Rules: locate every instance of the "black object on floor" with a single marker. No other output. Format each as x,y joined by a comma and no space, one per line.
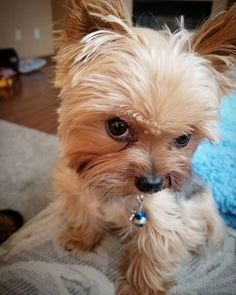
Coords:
10,222
9,59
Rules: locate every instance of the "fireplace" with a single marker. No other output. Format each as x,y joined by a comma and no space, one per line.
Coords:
154,13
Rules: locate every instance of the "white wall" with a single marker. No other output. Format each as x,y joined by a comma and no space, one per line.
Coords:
26,18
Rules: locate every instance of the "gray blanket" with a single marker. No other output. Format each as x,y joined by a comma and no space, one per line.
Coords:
32,262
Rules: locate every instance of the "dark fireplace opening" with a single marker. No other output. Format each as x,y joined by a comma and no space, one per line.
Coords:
154,13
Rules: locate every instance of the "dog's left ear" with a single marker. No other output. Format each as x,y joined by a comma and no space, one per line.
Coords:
216,40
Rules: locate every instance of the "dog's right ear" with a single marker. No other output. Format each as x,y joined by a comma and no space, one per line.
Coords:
87,16
84,17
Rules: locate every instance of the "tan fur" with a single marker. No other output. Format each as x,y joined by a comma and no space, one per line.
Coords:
216,40
163,85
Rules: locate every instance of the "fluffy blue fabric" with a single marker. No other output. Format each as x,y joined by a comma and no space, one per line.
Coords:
217,165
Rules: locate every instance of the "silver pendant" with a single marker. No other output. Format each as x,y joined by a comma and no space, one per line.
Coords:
139,217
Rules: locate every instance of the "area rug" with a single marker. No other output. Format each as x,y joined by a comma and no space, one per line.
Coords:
26,158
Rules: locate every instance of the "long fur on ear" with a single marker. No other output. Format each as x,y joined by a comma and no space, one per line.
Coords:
216,40
84,17
87,16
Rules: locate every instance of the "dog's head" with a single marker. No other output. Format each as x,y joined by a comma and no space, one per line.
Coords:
136,103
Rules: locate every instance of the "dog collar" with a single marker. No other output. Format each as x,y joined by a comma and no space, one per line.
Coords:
139,217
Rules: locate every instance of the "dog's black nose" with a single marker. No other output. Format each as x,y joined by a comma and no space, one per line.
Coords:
149,184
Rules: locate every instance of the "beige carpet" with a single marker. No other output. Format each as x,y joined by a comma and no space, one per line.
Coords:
26,160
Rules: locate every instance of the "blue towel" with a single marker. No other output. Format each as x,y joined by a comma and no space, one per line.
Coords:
217,165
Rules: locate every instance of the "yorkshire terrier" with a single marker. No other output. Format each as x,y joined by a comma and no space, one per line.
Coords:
135,105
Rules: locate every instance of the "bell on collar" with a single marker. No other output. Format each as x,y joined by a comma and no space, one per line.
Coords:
140,218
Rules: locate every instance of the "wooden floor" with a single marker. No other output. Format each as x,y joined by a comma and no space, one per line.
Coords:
32,102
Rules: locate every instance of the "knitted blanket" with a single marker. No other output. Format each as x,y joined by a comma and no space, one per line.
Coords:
32,262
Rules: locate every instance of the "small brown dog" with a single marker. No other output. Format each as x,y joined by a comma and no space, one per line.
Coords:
135,105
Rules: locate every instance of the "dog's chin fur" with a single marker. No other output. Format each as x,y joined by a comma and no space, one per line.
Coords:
163,85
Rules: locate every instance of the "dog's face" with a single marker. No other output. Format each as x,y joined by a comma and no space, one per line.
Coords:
135,103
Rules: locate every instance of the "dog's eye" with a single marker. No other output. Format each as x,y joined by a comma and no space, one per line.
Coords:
182,140
117,128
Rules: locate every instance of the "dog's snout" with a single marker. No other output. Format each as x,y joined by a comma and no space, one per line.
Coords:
149,184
